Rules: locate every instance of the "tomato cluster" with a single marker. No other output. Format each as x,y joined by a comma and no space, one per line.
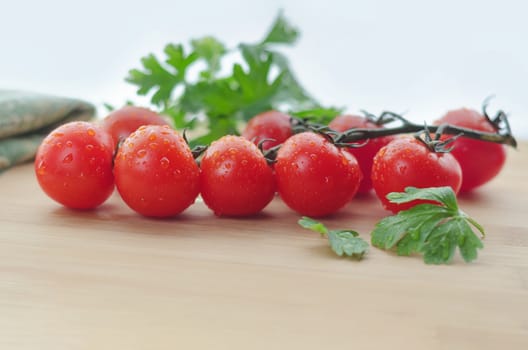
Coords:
156,174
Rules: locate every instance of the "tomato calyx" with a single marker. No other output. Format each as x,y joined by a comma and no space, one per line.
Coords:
499,121
436,144
385,117
197,150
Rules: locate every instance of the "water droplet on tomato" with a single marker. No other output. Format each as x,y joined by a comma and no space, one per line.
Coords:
89,148
90,132
164,162
153,145
152,137
69,144
58,144
244,162
228,165
313,156
68,158
41,168
141,153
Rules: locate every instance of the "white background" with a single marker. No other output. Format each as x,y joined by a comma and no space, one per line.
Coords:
423,57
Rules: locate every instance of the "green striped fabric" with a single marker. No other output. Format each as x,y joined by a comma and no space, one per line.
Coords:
27,117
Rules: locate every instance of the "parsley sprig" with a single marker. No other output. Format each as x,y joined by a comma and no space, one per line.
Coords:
261,81
434,230
342,242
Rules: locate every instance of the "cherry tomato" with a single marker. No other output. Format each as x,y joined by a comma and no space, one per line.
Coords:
124,121
480,161
268,125
314,177
155,172
408,162
235,179
74,165
364,154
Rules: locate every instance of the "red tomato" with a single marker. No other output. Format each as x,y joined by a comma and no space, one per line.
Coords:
408,162
124,121
314,177
268,125
235,179
364,154
155,172
74,165
480,161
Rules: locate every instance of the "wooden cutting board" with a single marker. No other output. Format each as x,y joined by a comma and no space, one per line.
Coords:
110,279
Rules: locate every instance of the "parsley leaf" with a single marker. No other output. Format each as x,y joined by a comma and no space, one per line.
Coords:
432,230
218,104
281,32
212,51
154,77
318,115
342,242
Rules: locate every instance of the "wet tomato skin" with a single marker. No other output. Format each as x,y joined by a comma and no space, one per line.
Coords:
314,177
408,162
73,165
364,154
235,178
480,161
155,172
124,121
268,125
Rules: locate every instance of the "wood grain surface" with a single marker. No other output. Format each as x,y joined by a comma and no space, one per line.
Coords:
110,279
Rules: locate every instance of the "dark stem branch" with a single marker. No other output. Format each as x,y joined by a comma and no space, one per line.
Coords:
355,135
351,137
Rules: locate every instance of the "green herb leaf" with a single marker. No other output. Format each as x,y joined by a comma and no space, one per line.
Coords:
434,230
342,242
216,105
313,225
212,51
281,32
319,115
154,77
442,195
178,60
348,243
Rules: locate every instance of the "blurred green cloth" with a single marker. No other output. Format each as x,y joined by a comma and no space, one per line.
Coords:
27,117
